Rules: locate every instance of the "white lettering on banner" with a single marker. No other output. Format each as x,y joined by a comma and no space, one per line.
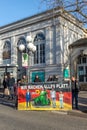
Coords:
48,86
62,86
23,87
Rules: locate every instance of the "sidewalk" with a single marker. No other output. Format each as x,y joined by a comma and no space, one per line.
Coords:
5,100
82,112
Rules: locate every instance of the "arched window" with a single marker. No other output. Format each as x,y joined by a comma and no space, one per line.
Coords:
39,55
7,50
39,37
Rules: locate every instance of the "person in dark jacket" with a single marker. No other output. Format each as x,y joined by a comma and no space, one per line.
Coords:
37,79
75,90
49,79
5,83
11,82
17,84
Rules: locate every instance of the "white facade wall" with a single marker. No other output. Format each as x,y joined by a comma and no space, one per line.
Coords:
69,33
58,37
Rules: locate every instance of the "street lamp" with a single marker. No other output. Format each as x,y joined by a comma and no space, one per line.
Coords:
7,65
28,47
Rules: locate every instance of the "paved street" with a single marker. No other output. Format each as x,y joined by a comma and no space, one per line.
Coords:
82,112
83,100
11,119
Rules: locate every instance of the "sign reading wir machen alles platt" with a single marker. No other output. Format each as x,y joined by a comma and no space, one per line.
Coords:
45,97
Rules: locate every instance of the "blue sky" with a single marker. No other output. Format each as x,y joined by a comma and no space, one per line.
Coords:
13,10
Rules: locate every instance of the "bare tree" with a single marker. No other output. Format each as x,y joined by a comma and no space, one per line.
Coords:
78,8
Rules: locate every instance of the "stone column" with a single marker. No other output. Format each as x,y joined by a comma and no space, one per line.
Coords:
59,51
14,56
49,46
13,51
58,45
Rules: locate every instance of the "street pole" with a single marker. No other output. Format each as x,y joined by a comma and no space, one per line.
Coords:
29,48
6,70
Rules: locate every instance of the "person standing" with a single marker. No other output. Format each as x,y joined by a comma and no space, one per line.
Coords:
55,78
37,79
61,96
53,97
49,78
11,82
5,83
17,84
24,80
75,90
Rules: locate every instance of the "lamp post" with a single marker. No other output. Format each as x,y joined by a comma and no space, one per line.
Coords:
6,67
28,48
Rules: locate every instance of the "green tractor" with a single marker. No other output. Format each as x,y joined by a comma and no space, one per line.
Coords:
42,100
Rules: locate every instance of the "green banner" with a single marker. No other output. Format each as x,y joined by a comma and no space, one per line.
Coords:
25,59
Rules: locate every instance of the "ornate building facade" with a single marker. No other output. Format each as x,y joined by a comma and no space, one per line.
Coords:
52,33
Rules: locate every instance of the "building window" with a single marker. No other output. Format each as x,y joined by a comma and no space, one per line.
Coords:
82,68
81,73
79,60
7,50
39,55
86,73
41,75
84,60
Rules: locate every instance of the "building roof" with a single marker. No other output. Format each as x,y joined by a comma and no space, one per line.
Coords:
46,15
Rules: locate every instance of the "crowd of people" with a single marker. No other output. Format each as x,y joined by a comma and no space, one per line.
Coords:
52,78
8,84
10,87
